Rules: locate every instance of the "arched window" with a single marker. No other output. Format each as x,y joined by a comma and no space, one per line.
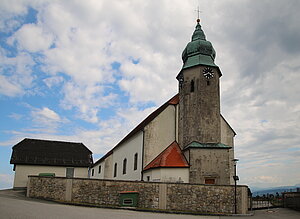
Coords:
115,170
124,165
92,172
135,161
99,170
192,86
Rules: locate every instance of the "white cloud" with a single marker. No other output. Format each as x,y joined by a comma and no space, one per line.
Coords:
8,10
8,88
13,6
86,39
53,81
100,140
265,179
149,80
88,100
32,38
16,116
103,39
46,120
112,131
16,74
47,114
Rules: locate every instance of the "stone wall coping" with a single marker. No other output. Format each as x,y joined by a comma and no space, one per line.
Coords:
129,181
128,192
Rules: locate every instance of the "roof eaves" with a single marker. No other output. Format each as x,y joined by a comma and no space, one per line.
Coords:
158,167
49,164
228,124
203,64
196,144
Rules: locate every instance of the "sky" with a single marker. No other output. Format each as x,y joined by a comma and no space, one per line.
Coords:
90,71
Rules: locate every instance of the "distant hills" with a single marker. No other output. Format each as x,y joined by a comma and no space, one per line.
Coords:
261,191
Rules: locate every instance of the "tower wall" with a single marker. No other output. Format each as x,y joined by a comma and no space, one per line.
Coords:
199,108
200,121
210,164
227,138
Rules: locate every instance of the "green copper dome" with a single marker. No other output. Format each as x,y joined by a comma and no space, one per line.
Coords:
199,51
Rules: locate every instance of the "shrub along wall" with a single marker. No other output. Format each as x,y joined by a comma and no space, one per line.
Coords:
152,195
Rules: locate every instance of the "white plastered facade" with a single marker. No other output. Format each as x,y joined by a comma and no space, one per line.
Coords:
128,150
23,171
177,175
148,143
159,134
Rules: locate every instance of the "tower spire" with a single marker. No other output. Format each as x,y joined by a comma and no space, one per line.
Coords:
199,51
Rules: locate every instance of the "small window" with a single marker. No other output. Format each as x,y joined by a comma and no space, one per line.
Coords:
92,172
115,170
148,178
99,170
192,86
135,161
210,181
124,165
208,82
70,172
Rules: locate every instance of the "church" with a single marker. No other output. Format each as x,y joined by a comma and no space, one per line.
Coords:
186,140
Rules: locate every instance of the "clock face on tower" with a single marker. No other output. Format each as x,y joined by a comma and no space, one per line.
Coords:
208,73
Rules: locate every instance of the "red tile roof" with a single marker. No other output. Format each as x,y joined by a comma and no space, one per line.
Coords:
174,100
172,156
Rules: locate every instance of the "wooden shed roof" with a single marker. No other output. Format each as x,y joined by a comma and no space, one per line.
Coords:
52,153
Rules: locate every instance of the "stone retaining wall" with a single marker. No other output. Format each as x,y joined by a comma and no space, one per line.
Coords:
152,195
291,200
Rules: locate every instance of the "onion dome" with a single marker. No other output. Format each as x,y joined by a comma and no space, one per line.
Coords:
199,51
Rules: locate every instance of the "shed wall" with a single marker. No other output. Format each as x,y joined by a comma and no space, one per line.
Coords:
23,171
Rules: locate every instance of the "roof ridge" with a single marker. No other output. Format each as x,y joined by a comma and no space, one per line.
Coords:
50,141
36,139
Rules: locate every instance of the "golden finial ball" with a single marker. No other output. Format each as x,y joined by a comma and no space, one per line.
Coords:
198,20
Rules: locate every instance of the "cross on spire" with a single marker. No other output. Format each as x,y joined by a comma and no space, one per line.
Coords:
198,12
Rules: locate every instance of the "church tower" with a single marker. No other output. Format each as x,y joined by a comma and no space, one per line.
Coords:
199,125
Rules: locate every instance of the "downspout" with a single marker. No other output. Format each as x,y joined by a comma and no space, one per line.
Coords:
143,145
176,123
